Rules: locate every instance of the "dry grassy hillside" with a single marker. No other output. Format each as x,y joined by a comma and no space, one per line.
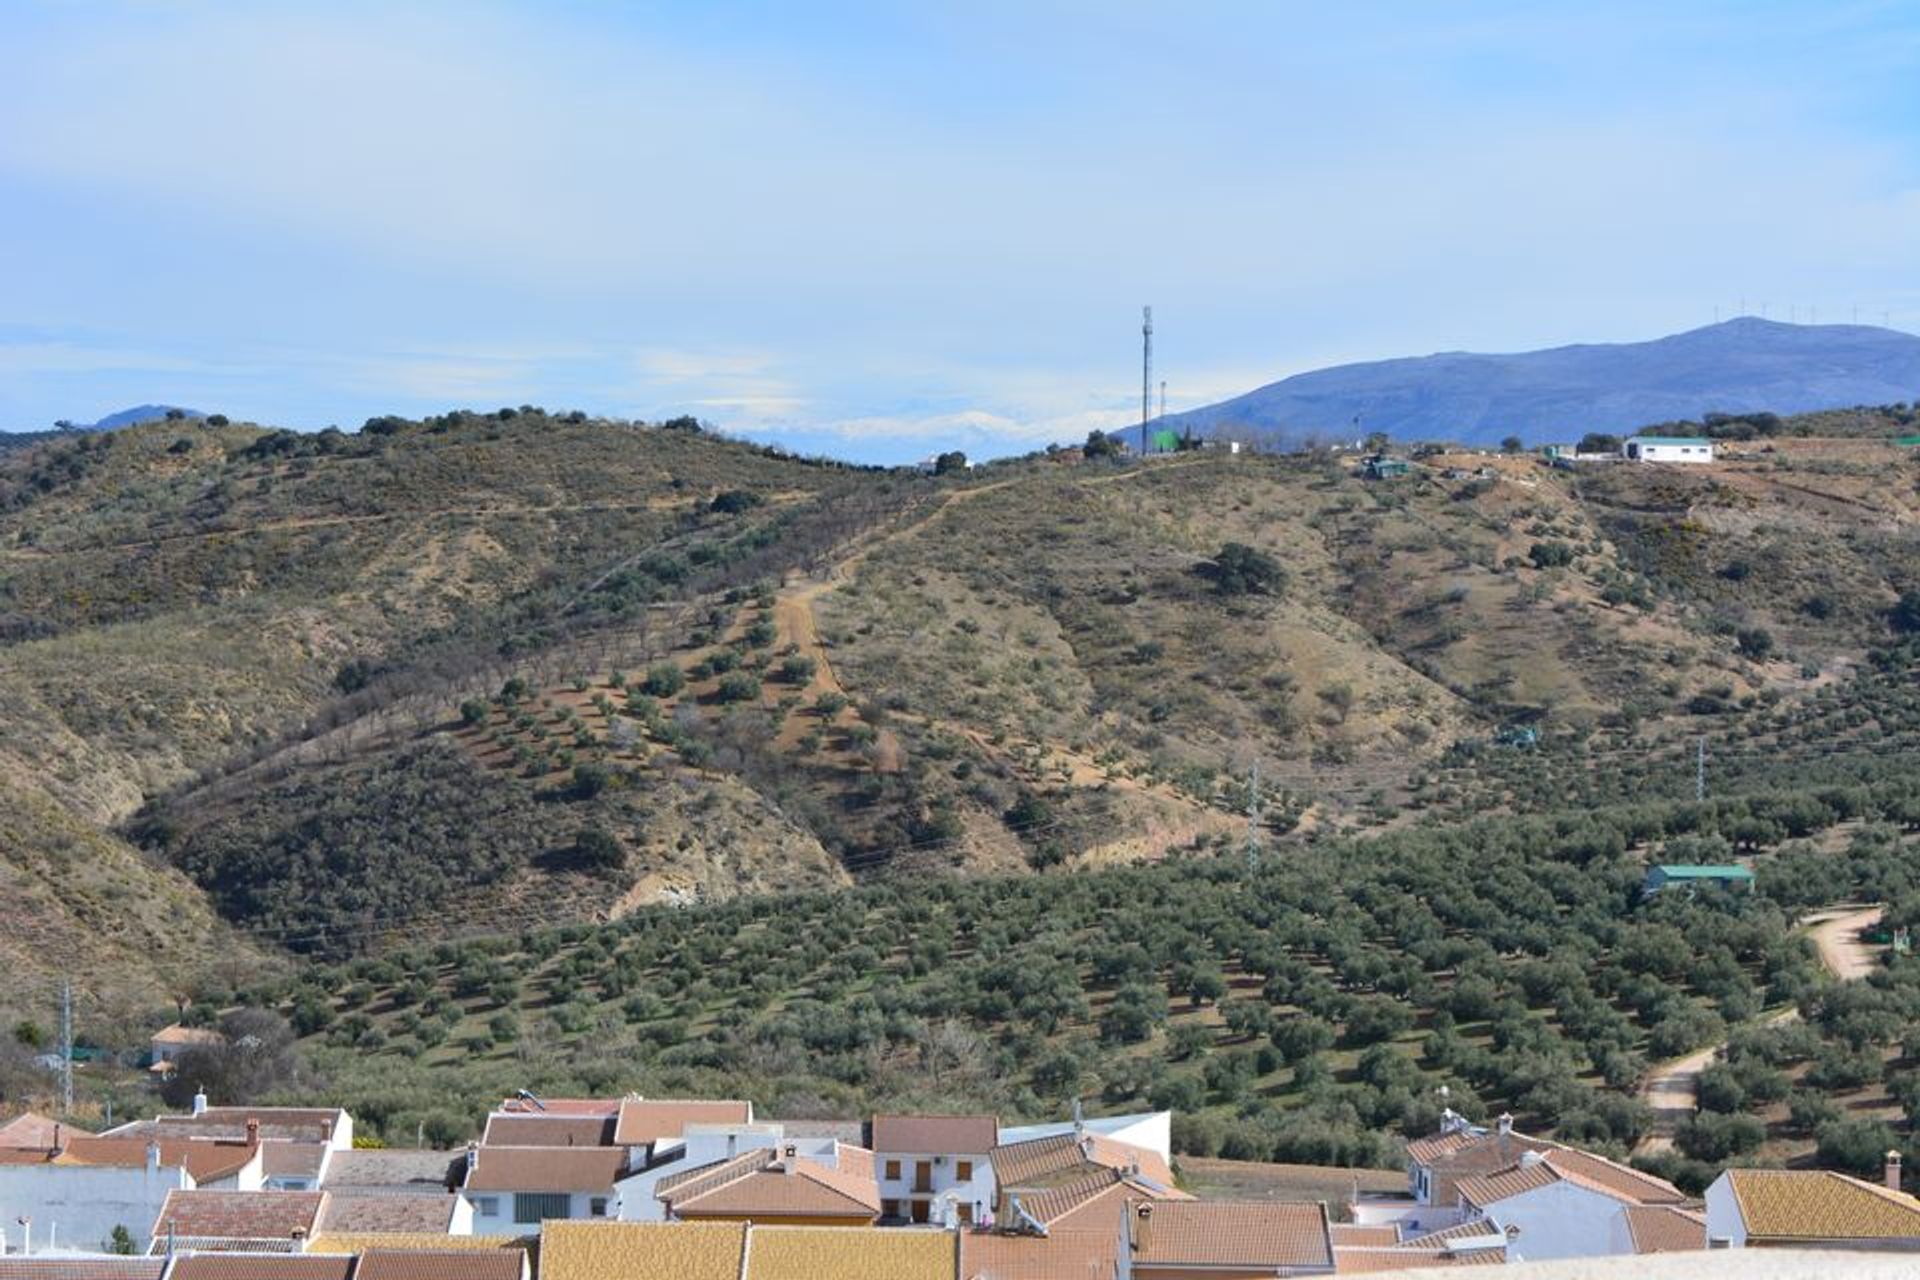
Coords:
480,671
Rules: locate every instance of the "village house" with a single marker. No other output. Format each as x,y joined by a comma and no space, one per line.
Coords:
167,1044
1667,449
779,1186
515,1189
1177,1240
1811,1209
236,1221
934,1168
1074,1180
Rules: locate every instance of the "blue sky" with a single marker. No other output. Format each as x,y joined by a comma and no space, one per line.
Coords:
877,230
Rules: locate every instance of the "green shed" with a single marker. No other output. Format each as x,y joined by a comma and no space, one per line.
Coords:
1684,875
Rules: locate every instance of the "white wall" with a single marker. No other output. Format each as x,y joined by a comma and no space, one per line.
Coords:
700,1146
1559,1220
1723,1215
501,1222
976,1190
82,1204
1151,1129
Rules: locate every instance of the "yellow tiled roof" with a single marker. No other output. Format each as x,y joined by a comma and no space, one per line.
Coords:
850,1253
1805,1204
605,1250
361,1241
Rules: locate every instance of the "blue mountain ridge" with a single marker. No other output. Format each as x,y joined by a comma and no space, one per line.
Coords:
1747,365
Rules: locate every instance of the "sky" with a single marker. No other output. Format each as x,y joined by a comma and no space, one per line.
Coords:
881,230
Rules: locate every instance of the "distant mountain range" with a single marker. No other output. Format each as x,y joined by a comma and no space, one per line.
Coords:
139,413
1741,366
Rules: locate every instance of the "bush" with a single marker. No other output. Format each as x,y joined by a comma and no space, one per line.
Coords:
1239,569
597,850
797,670
663,680
474,711
738,686
1550,555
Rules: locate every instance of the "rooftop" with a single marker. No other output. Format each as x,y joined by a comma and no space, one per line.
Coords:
348,1212
1797,1204
642,1121
504,1130
587,1169
1073,1254
424,1172
849,1253
936,1135
1665,1228
788,1186
441,1264
1691,871
1197,1233
587,1250
272,1266
236,1215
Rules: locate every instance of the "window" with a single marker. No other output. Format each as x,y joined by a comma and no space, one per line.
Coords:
487,1206
963,1169
893,1168
538,1206
889,1208
597,1207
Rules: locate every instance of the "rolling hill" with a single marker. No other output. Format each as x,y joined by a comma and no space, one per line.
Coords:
269,694
1746,365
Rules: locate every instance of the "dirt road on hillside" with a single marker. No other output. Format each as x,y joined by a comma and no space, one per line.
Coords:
1673,1090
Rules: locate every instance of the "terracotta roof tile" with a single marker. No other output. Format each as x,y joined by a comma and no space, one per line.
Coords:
1794,1204
443,1264
261,1266
424,1172
1354,1235
1039,1161
1086,1254
548,1131
1642,1188
1044,1208
177,1034
280,1159
206,1161
1476,1229
849,1253
432,1242
1364,1259
584,1169
580,1250
936,1135
564,1106
649,1120
1494,1187
810,1189
43,1268
30,1129
1661,1228
706,1177
1198,1233
235,1216
347,1213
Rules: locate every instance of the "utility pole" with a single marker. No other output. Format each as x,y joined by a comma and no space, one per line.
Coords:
1146,374
66,1048
1253,817
1700,770
1163,397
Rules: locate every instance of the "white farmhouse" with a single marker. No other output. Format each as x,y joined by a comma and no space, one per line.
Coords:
934,1166
1667,449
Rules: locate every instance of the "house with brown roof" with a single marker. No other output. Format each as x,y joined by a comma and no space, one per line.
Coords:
934,1168
441,1264
512,1190
167,1044
236,1221
372,1213
1074,1180
778,1187
326,1126
1810,1209
1178,1240
81,1189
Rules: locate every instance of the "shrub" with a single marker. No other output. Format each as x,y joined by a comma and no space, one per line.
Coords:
597,850
1550,555
1239,569
663,680
738,686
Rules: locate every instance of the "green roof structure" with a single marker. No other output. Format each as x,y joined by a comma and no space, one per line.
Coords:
1166,440
1684,871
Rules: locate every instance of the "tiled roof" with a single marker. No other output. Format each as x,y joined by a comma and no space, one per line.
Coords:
433,1242
1364,1259
548,1131
206,1161
1354,1235
849,1253
236,1215
1662,1228
441,1264
642,1120
328,1117
357,1214
177,1034
222,1129
30,1129
1085,1254
261,1266
427,1172
1039,1160
43,1268
1795,1204
790,1187
706,1177
935,1135
564,1106
1495,1187
280,1159
605,1250
1641,1188
587,1169
1047,1207
1473,1229
1198,1233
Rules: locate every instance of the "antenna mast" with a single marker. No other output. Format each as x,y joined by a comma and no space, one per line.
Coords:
1146,374
66,1049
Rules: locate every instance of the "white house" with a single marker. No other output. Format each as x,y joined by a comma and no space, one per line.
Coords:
1546,1212
78,1205
700,1146
514,1189
1810,1209
1667,449
934,1167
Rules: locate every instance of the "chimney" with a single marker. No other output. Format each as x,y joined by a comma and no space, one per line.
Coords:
1506,1125
153,1157
1142,1227
199,1102
1893,1170
789,1158
473,1158
253,1133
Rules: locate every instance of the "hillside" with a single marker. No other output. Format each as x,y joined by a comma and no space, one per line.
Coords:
1739,366
489,672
